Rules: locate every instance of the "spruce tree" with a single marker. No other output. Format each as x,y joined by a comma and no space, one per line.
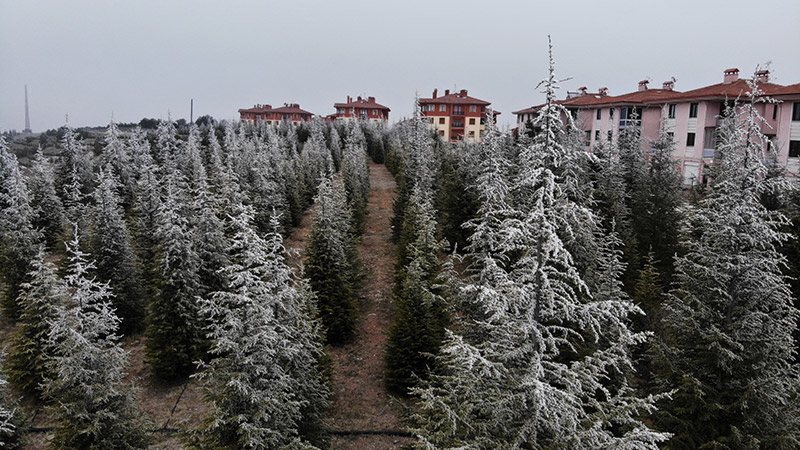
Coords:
174,329
729,318
331,266
12,430
355,177
116,155
115,260
19,240
38,300
540,356
93,406
418,327
263,376
316,159
48,212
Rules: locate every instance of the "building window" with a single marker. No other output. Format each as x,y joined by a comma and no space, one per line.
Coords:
610,135
296,116
483,109
458,110
671,135
588,140
458,124
374,112
796,112
774,111
441,120
442,108
610,113
599,113
794,148
441,132
473,108
472,134
672,108
472,121
690,139
596,135
692,110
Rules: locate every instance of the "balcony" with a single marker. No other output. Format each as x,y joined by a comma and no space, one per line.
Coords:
625,123
457,124
458,112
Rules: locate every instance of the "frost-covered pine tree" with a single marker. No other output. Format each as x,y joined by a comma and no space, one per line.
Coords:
19,240
93,406
167,145
656,206
208,234
355,176
316,159
418,327
27,359
263,381
730,316
540,357
76,168
48,212
12,431
116,154
174,332
115,259
144,220
331,265
335,144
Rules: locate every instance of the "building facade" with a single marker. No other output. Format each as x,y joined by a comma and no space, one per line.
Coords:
692,117
289,112
456,116
361,109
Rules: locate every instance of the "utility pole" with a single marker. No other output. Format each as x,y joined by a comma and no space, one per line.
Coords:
27,113
191,112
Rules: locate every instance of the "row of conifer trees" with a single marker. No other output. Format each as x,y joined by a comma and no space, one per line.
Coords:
181,238
598,304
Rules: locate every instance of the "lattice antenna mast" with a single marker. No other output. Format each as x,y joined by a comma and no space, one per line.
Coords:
27,113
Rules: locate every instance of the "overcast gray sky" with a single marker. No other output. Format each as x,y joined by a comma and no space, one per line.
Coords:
146,58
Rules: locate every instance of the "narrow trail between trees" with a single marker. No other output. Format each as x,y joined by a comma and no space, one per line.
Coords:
360,399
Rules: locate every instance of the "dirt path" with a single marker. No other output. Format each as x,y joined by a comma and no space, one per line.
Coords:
360,400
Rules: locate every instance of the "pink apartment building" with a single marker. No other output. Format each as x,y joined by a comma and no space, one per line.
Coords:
692,117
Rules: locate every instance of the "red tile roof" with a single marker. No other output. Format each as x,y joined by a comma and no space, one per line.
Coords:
285,109
455,98
361,103
786,90
732,90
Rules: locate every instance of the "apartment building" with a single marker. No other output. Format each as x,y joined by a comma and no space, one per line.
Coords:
289,112
691,116
456,116
361,109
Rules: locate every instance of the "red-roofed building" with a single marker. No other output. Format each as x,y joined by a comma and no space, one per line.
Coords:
456,116
289,112
361,109
692,117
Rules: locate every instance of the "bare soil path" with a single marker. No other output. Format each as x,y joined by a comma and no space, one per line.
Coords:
360,399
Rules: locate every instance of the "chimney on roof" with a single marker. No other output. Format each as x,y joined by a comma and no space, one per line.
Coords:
668,85
435,91
349,99
762,76
731,75
603,91
267,106
463,92
643,85
583,90
359,98
447,92
371,99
